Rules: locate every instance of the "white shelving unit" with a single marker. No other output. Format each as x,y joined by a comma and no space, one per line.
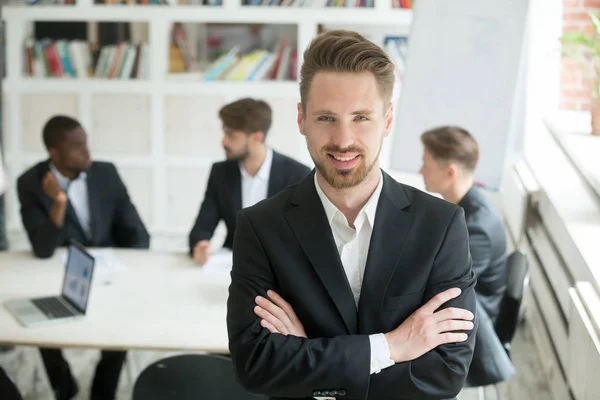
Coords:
162,134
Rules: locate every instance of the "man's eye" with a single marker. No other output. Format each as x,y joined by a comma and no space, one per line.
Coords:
325,118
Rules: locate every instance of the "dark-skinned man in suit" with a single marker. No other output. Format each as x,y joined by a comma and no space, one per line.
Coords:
66,197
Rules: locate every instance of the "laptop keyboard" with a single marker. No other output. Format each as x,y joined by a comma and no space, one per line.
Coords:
52,307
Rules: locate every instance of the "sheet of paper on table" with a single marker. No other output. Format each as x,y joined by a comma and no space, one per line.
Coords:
106,260
219,263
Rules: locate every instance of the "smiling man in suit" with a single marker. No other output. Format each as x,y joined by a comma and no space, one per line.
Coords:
70,197
350,285
251,173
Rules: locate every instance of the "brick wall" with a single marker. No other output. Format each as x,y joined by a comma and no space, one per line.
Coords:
574,85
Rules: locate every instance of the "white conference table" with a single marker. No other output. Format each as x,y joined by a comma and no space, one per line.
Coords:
151,301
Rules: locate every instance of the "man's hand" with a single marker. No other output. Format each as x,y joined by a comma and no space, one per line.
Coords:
278,316
426,329
201,251
53,189
59,199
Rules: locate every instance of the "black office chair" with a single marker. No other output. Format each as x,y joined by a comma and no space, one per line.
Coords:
490,365
191,376
8,389
512,302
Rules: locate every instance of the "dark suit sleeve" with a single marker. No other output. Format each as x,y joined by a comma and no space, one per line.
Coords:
481,248
209,214
43,235
277,365
440,373
128,229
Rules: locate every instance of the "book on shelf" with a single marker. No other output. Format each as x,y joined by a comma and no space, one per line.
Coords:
239,52
46,2
162,2
75,59
408,4
280,64
123,61
311,3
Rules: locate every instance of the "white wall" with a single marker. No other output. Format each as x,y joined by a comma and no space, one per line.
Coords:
543,84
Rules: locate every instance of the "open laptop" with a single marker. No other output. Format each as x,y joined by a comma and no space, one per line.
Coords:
73,301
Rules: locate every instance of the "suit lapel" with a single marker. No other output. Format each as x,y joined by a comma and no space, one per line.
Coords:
308,221
46,201
392,224
276,176
93,190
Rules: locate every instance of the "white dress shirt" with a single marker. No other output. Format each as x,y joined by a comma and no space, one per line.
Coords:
77,193
256,188
353,248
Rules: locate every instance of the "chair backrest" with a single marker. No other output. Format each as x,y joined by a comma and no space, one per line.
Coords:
510,306
8,389
191,376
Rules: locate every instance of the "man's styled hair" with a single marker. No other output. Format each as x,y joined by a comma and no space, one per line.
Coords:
452,144
248,115
346,51
56,128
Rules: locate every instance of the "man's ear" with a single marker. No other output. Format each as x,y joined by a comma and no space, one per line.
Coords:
300,118
389,119
452,170
258,136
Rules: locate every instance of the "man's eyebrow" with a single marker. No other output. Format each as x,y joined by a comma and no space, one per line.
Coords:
319,112
364,111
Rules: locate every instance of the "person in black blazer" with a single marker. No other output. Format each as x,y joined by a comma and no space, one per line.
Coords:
252,172
70,197
350,285
450,158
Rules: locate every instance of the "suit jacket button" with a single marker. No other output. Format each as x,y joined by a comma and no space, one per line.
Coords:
341,392
325,393
316,393
333,393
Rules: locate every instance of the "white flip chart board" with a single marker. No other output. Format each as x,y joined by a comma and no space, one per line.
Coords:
464,62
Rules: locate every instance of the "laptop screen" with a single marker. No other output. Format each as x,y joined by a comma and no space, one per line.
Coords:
78,277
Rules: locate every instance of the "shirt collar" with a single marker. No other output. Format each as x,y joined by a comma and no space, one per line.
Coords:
62,180
368,210
264,170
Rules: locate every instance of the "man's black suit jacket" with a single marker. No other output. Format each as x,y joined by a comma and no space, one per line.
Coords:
419,248
487,240
223,196
114,219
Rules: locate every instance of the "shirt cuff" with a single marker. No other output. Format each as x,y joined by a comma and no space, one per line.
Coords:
380,353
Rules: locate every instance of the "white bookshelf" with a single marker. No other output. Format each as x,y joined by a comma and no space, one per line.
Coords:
162,134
